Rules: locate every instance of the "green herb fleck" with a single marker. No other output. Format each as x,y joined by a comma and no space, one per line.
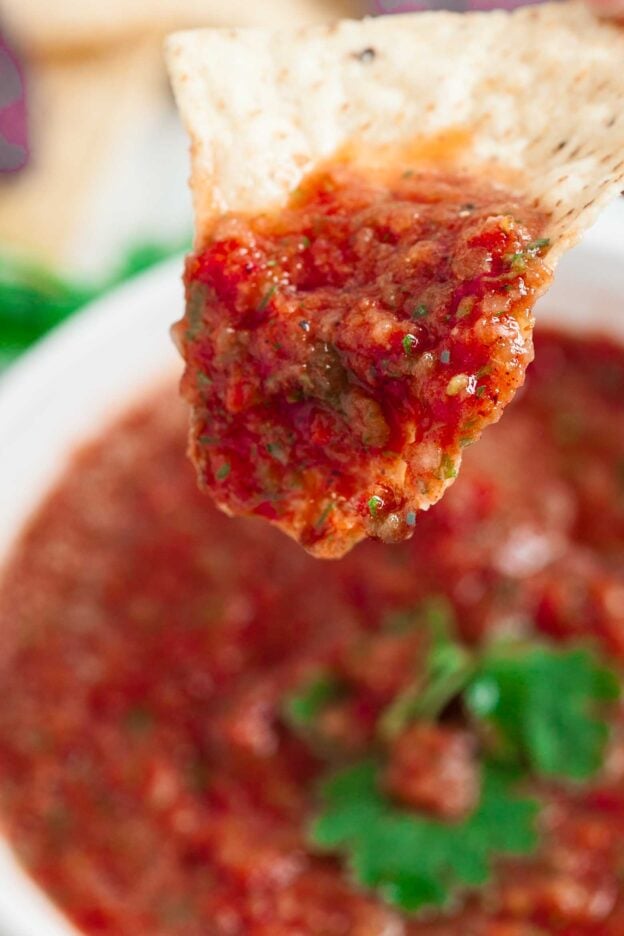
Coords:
267,297
516,261
410,858
374,505
465,306
302,707
410,518
447,467
306,242
445,357
409,342
223,471
420,311
327,509
480,390
538,245
277,452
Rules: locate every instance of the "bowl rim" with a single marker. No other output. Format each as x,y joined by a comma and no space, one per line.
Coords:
90,351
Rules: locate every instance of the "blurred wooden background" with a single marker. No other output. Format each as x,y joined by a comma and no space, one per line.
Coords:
107,163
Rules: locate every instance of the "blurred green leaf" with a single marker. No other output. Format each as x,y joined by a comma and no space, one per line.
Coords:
34,300
547,702
412,859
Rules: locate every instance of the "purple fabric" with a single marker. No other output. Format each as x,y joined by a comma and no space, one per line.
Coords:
410,6
13,119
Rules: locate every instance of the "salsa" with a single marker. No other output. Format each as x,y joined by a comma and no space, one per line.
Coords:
340,354
174,684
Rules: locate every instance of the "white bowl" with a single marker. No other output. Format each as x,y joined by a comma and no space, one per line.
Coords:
90,369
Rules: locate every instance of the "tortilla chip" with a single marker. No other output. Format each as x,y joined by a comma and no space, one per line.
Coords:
536,95
533,100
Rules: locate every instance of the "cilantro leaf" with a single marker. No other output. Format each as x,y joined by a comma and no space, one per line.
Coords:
448,668
33,300
413,860
541,705
352,801
544,702
409,342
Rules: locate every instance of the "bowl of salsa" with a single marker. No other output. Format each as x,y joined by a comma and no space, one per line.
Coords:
173,762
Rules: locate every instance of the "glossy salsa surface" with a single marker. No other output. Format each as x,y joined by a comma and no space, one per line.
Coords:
341,353
148,778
